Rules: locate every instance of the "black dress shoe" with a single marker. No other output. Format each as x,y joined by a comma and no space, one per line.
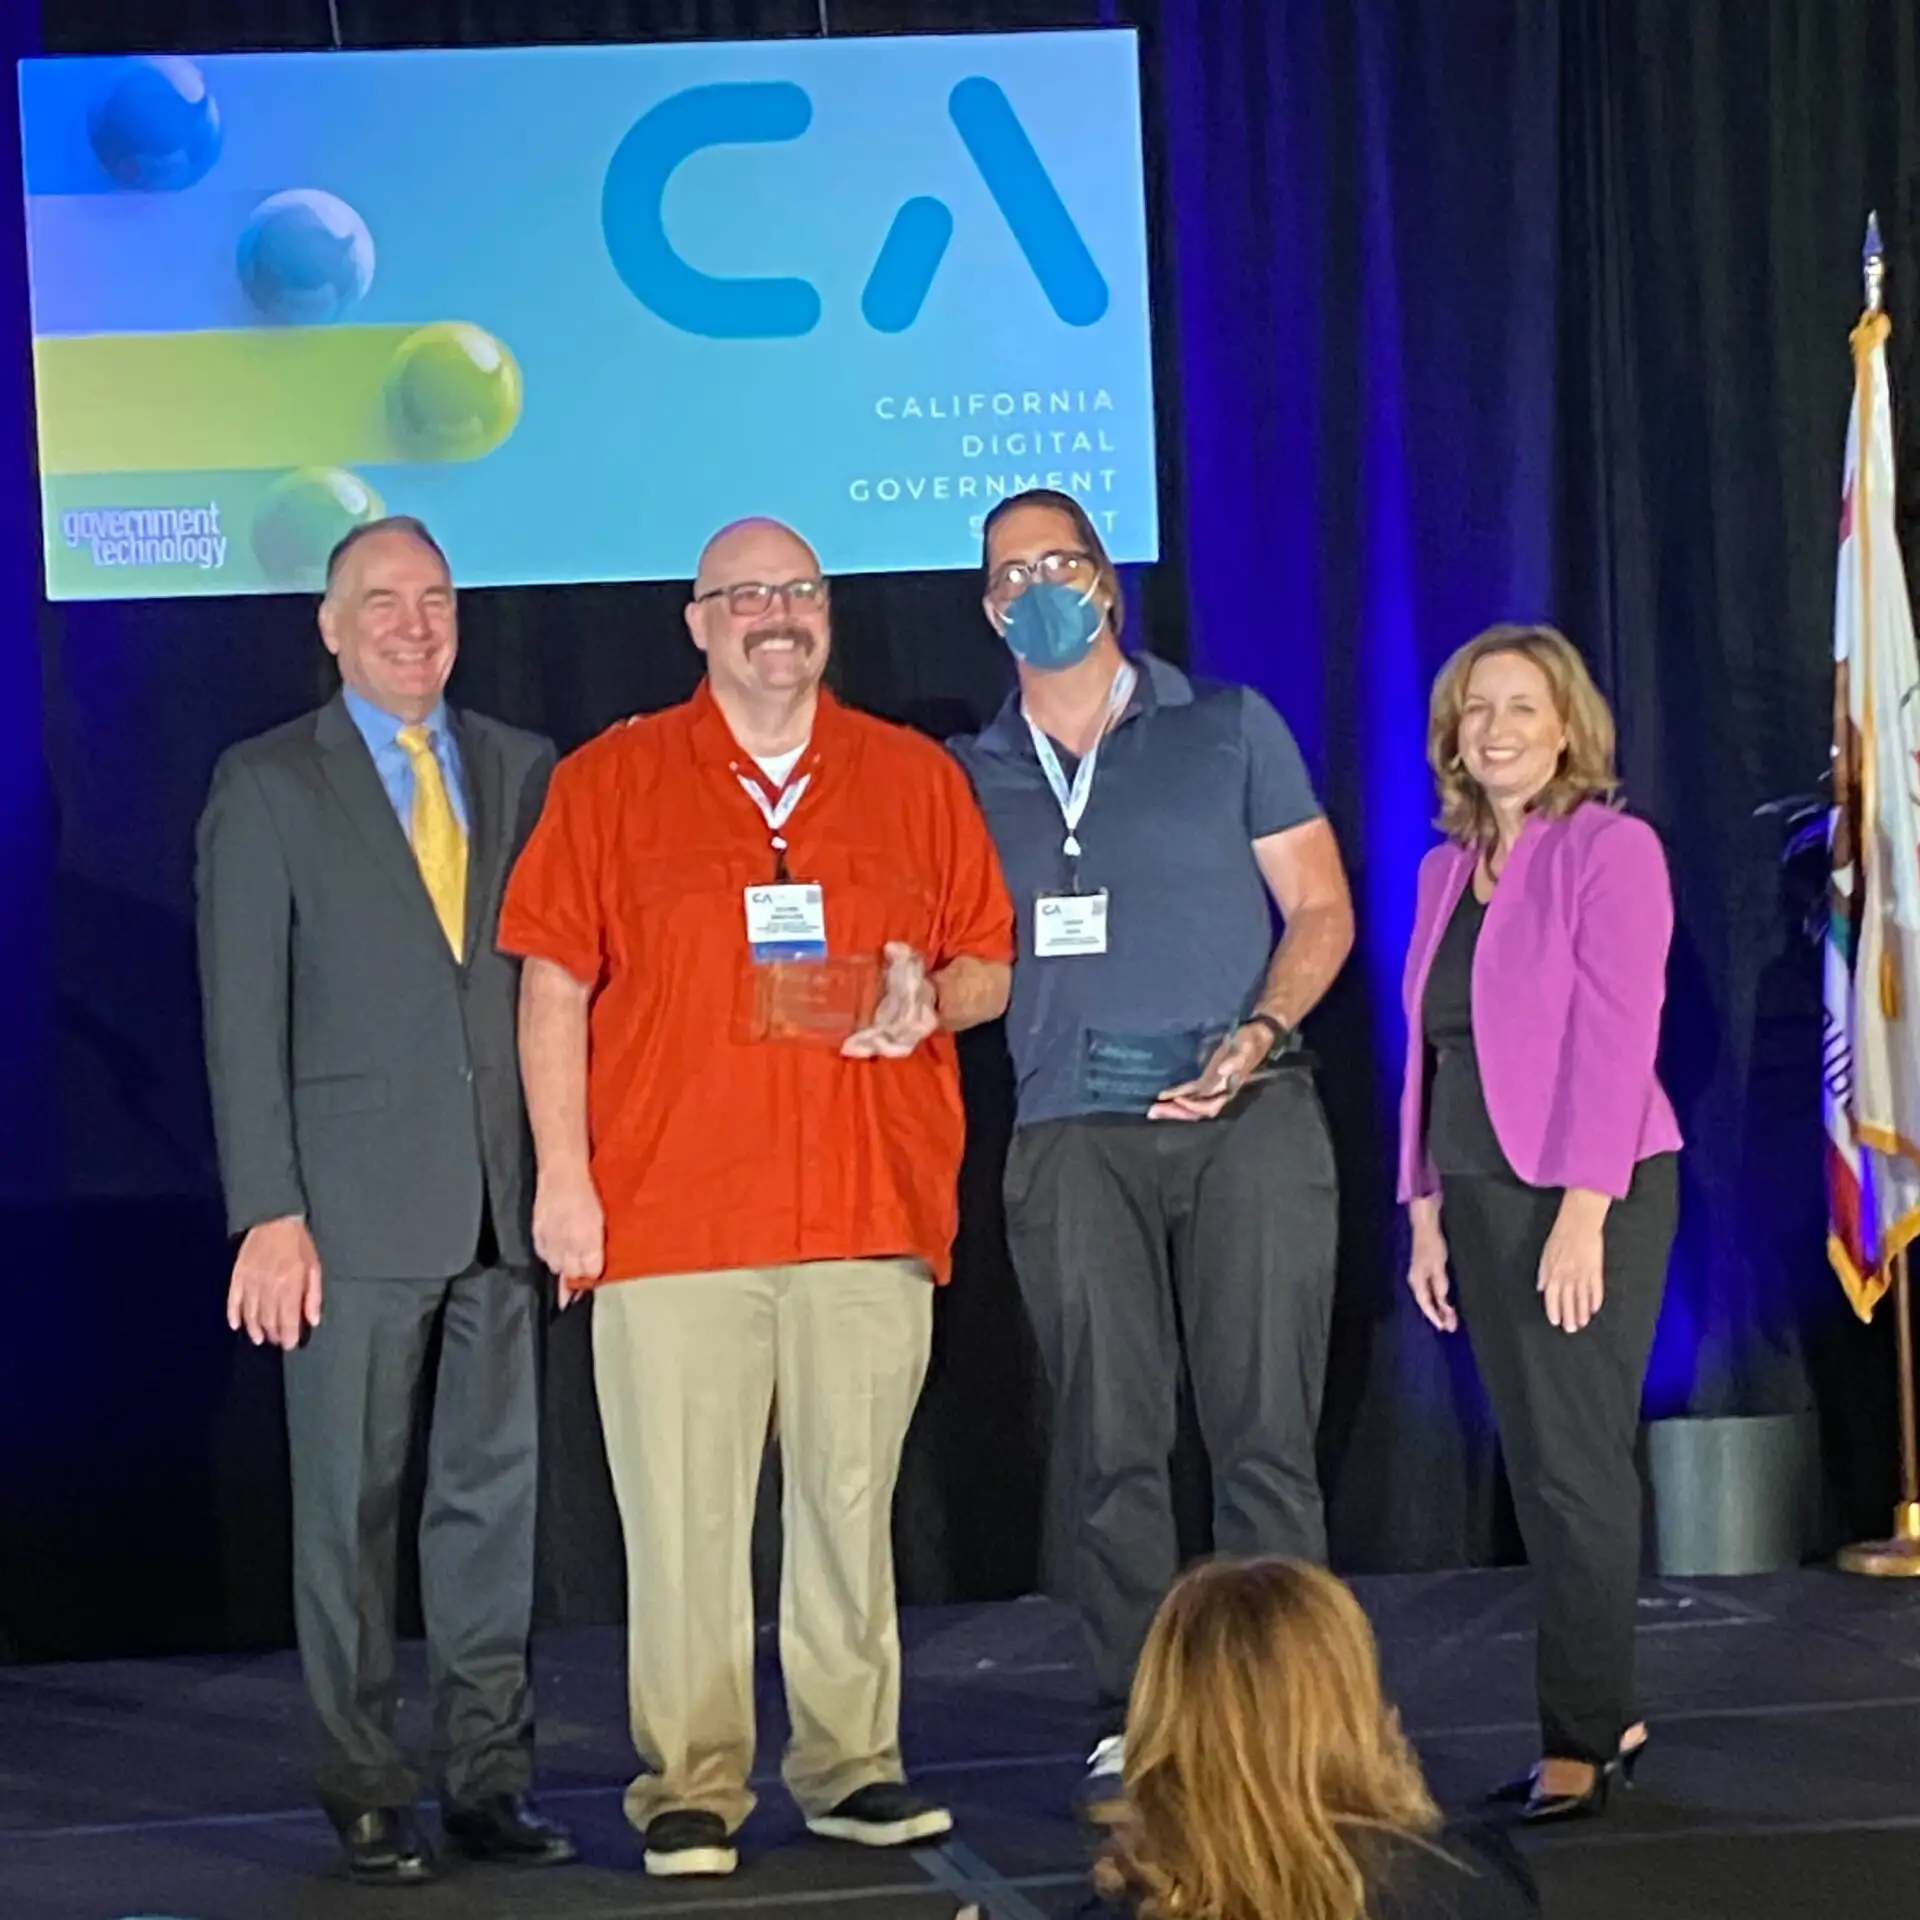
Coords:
385,1849
505,1827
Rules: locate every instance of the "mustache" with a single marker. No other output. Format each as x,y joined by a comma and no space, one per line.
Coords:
786,630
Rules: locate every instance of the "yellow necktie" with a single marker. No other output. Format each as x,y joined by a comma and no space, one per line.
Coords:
439,841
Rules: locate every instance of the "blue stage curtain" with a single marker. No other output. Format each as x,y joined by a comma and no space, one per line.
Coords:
1507,308
26,852
1363,205
29,1215
1717,166
1537,309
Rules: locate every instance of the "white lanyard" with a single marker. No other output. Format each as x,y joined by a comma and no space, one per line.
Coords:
1073,799
776,813
779,811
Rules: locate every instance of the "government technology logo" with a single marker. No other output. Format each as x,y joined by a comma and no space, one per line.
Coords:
148,536
768,111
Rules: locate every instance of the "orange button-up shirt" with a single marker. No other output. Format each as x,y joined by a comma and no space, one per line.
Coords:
711,1149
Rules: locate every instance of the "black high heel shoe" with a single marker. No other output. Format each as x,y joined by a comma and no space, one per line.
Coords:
1523,1789
1514,1791
1549,1809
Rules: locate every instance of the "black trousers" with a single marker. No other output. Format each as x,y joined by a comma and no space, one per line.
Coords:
352,1391
1568,1410
1133,1238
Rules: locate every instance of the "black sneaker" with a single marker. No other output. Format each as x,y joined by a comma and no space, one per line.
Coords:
1103,1794
885,1814
689,1842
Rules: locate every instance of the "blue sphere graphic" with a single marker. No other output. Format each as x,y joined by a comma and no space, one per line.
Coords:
305,257
158,128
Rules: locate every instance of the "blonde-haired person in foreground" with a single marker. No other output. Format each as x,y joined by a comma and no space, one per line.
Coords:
1537,1152
1267,1778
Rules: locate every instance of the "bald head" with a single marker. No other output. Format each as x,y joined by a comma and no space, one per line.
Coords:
754,549
759,614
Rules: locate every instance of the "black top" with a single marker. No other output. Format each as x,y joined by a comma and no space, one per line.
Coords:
1469,1872
1460,1134
1475,1875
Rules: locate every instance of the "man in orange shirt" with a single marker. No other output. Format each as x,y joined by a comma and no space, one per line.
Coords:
752,925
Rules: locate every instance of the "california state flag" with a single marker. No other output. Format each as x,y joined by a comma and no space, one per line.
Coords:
1872,1024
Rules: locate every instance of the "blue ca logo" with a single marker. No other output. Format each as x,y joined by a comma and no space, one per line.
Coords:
747,112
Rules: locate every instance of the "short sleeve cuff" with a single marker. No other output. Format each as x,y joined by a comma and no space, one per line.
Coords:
526,939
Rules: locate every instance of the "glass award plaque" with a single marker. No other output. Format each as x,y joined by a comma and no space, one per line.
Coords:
1128,1072
814,999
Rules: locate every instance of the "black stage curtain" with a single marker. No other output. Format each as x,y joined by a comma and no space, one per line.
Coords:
1533,309
1717,165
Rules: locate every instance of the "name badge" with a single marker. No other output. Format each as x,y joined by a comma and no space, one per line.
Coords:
787,923
1069,923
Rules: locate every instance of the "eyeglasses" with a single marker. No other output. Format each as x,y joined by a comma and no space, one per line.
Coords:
748,598
1067,568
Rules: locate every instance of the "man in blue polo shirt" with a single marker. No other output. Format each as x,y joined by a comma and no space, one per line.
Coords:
1171,1183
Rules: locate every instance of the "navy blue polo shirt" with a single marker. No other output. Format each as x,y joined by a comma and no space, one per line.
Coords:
1190,777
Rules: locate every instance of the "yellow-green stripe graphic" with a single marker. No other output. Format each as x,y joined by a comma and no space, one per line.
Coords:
256,398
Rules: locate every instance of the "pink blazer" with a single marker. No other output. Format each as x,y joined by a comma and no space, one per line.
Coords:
1568,981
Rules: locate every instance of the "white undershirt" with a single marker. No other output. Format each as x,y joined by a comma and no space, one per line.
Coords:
777,766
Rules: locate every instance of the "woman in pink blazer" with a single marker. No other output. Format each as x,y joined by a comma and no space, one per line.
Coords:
1537,1151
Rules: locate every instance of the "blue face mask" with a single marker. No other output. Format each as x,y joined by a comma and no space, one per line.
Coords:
1053,627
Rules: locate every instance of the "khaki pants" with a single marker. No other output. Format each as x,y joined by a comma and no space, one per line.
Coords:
689,1368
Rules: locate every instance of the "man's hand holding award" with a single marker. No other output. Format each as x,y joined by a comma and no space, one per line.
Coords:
908,1012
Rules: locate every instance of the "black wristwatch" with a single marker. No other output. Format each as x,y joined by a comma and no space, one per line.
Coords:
1283,1036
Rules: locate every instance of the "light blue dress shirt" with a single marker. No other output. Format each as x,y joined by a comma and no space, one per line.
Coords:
381,731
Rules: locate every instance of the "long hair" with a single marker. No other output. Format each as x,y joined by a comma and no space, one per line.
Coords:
1262,1758
1586,770
1106,575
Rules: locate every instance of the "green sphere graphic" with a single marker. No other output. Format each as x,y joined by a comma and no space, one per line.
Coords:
453,392
303,516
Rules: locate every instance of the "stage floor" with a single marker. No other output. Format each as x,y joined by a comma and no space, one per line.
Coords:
1784,1778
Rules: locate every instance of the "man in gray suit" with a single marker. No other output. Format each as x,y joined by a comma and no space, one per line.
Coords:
374,1152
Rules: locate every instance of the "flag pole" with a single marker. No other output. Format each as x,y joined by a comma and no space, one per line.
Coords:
1898,1557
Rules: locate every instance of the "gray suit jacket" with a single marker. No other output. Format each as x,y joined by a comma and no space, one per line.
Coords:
361,1075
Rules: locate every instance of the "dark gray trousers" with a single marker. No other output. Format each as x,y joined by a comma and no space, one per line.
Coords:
1137,1239
1568,1409
352,1395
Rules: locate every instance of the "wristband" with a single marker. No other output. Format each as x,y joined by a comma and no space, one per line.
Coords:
1283,1036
